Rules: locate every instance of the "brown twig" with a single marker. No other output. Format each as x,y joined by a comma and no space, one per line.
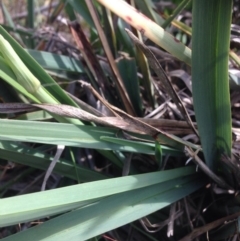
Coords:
199,231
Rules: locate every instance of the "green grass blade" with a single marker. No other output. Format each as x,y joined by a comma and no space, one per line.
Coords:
69,10
128,71
112,212
145,147
54,89
24,33
123,37
31,14
10,22
28,156
56,62
149,28
211,31
81,8
147,7
36,205
179,8
30,21
71,135
7,74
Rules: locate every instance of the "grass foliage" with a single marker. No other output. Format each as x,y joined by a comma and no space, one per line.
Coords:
104,137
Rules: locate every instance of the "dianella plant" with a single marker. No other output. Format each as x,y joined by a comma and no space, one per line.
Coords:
119,120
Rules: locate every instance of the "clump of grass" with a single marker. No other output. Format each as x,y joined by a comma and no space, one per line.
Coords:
120,172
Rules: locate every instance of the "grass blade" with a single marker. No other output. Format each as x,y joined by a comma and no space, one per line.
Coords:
56,62
54,89
149,28
31,206
210,77
115,210
28,156
71,135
